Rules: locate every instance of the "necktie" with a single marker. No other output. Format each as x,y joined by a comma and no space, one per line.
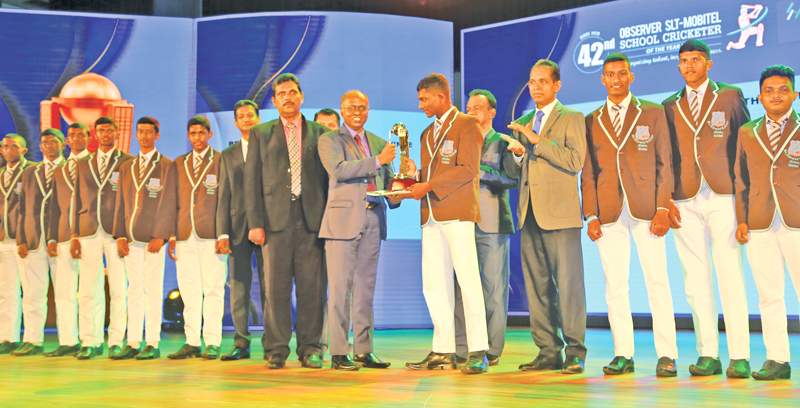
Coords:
198,160
142,167
775,135
371,186
294,158
103,160
537,124
617,121
72,168
48,175
7,177
695,107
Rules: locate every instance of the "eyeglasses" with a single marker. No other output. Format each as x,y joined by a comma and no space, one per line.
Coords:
353,109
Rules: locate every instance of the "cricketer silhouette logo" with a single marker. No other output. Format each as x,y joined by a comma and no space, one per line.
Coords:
750,17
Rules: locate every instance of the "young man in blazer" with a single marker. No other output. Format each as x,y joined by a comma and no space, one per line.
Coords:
32,234
201,271
448,194
627,182
11,265
144,220
353,226
96,187
704,119
285,195
549,147
767,210
492,233
232,231
65,278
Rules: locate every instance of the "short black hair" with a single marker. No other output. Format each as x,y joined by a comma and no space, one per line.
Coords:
246,102
695,45
285,78
486,94
434,81
199,120
615,57
327,111
53,132
17,138
556,75
147,120
776,70
79,125
105,120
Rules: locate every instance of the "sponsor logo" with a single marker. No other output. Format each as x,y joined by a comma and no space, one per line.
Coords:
750,24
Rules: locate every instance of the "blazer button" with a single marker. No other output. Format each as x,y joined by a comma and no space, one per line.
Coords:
774,166
774,183
698,137
699,156
621,171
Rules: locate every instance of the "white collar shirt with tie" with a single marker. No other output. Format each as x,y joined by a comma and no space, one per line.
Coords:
622,111
197,160
245,145
547,110
144,161
439,122
700,93
72,162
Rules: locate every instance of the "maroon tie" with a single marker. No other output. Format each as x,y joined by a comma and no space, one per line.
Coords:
371,186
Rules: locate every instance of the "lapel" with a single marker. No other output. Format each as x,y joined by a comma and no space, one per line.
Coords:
40,177
65,173
238,154
760,133
205,164
552,118
152,163
14,177
94,167
631,118
350,142
435,141
372,142
278,132
305,138
709,99
604,118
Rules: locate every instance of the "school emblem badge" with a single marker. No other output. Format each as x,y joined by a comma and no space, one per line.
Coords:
154,185
114,178
211,180
794,149
447,148
18,189
718,119
642,134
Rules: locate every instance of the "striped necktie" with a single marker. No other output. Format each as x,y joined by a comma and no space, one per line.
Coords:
48,175
695,107
294,158
142,167
7,177
198,160
72,168
775,135
103,163
617,121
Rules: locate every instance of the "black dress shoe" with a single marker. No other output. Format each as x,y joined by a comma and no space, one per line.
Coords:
666,367
149,353
706,366
27,349
7,347
185,352
542,363
86,353
370,360
572,365
344,363
460,360
210,353
62,351
476,363
493,359
276,361
236,353
113,350
773,370
619,365
127,353
738,369
311,361
435,360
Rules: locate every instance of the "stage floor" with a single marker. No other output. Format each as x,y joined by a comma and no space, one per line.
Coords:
67,382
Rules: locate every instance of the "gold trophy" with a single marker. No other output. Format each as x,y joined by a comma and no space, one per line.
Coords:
401,180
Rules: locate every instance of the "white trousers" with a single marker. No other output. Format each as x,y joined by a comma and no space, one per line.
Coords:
201,280
65,286
35,284
145,293
770,253
706,241
446,246
11,267
615,254
92,291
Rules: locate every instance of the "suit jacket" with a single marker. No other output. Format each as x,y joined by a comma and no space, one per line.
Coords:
349,173
494,185
642,161
763,177
62,199
451,166
549,174
34,207
231,217
707,152
197,198
146,209
96,198
9,203
268,181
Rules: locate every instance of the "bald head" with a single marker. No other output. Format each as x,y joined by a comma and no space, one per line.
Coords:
355,109
355,94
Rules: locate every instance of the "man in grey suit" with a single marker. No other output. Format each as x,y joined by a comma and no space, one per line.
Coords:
231,227
492,233
353,226
285,195
549,147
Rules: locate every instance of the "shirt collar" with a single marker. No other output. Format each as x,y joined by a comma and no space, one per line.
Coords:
297,122
148,156
783,119
624,104
202,154
353,133
440,121
54,162
245,143
701,90
548,108
11,168
106,154
80,155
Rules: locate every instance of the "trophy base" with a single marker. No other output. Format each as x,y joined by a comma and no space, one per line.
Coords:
402,183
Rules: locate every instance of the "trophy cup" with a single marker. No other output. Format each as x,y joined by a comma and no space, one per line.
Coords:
401,180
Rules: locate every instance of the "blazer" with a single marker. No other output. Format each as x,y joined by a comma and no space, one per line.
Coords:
231,217
706,152
34,207
549,173
96,198
146,209
268,181
494,185
451,166
766,181
62,200
349,173
637,170
10,199
197,198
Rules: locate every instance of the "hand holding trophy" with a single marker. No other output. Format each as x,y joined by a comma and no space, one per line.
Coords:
398,187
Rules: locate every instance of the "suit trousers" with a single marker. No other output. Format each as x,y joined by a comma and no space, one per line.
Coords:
447,246
770,253
294,254
145,293
706,242
552,266
494,262
92,291
240,262
11,268
35,285
65,285
352,269
201,279
615,255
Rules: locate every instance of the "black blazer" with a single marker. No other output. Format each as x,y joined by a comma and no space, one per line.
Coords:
268,182
231,209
